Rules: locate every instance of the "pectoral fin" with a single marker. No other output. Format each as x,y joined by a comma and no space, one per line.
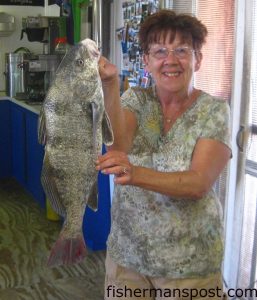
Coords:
97,146
107,130
93,197
42,127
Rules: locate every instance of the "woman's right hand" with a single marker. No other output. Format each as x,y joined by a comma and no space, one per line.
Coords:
108,72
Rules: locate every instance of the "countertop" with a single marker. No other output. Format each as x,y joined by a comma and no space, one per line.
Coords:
35,108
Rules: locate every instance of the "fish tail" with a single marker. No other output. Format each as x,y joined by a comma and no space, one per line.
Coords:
67,251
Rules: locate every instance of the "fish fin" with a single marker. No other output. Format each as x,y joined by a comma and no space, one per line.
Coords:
107,130
97,147
92,201
42,127
67,251
50,188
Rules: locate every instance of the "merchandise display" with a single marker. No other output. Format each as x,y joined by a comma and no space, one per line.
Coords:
134,13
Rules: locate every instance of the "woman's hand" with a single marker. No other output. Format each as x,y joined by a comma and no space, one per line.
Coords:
108,72
116,163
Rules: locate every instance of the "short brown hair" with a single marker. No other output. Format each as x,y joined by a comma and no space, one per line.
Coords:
159,24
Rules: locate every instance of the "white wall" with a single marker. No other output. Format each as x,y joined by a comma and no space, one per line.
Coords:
12,42
116,22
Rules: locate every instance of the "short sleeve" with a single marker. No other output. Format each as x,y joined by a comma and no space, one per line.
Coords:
131,101
143,104
217,125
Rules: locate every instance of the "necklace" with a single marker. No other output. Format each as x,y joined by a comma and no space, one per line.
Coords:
170,119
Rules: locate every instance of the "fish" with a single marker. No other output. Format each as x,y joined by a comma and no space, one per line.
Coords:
73,125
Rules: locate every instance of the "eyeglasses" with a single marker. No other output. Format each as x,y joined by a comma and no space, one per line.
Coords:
179,52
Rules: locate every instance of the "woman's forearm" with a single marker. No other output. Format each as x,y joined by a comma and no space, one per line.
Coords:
187,184
209,159
123,123
115,113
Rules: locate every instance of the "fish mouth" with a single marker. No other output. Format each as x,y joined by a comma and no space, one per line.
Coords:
91,47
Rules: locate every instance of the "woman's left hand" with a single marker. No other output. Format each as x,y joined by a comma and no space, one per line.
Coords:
116,163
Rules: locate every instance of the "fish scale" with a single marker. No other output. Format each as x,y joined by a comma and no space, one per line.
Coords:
73,124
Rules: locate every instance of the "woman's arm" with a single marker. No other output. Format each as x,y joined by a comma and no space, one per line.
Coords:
123,122
209,159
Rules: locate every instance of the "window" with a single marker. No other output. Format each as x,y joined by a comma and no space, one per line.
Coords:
215,74
247,269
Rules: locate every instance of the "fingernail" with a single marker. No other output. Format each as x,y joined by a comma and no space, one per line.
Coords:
103,171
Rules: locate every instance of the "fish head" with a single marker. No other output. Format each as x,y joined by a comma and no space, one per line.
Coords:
78,70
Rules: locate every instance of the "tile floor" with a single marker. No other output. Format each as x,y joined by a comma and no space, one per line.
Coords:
26,237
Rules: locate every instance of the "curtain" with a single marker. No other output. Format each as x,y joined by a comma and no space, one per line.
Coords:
215,75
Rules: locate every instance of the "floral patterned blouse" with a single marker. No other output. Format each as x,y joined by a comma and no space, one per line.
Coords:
158,235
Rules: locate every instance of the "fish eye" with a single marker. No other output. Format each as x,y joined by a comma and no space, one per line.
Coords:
80,62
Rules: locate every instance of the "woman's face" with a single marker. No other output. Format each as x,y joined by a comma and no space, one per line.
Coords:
172,71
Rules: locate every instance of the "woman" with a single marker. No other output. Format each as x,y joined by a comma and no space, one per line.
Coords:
171,144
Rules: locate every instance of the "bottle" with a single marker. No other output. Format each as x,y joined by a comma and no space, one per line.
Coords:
61,46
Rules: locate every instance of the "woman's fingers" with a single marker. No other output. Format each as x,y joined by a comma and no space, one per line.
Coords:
108,72
116,163
112,158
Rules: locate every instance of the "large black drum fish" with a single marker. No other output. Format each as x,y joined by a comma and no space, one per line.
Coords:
73,124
